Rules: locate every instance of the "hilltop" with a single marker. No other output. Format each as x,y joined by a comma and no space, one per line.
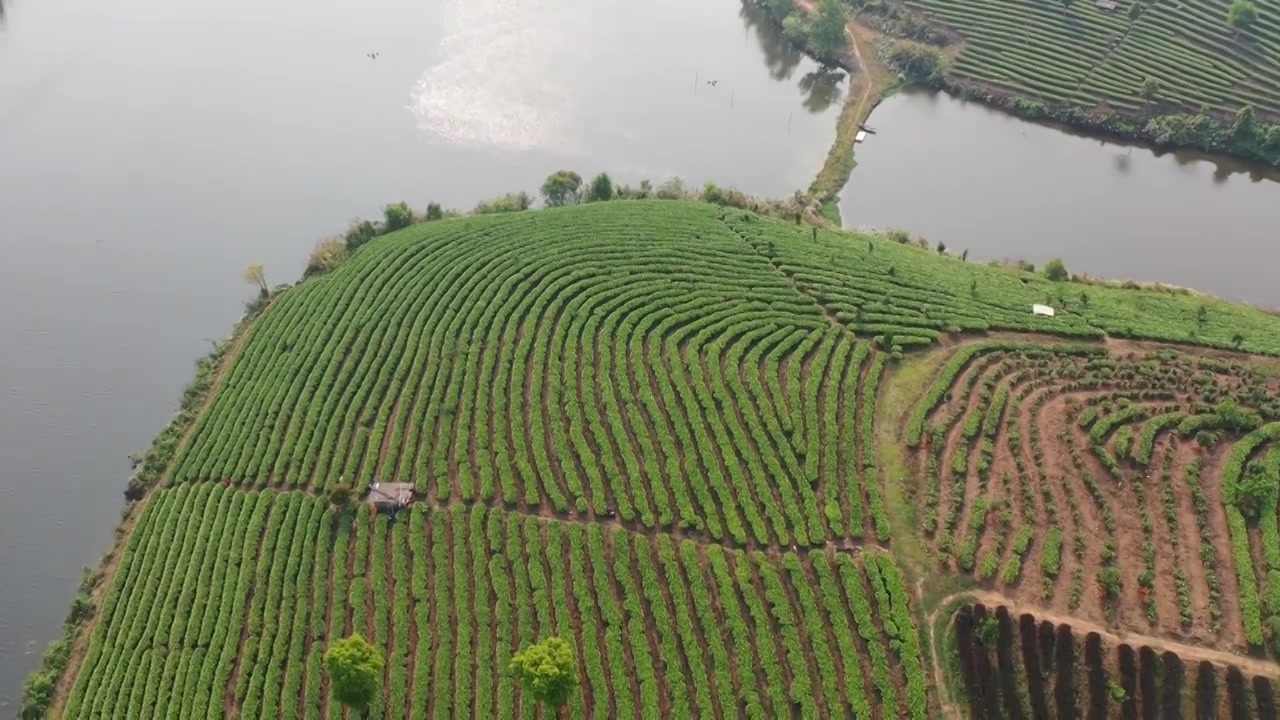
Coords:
733,460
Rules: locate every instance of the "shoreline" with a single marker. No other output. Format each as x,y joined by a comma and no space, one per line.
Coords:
1208,137
211,374
46,687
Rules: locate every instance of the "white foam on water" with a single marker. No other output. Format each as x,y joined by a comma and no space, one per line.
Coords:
507,76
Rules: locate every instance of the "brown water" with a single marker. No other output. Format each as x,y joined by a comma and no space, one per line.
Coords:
975,178
151,149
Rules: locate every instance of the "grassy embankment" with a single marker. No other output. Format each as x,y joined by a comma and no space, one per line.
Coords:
685,402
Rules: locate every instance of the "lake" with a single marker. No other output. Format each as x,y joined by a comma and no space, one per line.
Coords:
150,150
974,178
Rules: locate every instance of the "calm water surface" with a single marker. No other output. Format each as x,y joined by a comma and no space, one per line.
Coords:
150,149
970,177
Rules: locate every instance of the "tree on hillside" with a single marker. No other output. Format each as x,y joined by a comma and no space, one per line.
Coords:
355,672
1242,14
434,211
360,233
327,255
826,32
1135,10
398,215
1055,270
600,189
1245,123
915,61
548,671
561,188
256,275
1150,88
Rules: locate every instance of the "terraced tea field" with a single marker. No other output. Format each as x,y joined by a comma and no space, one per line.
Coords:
658,429
663,626
1105,484
1078,54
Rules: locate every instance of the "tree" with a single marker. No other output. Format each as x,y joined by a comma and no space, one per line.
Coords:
360,233
1150,88
398,215
826,32
1242,14
1237,340
1134,11
1055,270
1245,123
548,671
600,189
561,188
340,496
327,255
256,275
511,202
1253,493
434,211
915,61
355,671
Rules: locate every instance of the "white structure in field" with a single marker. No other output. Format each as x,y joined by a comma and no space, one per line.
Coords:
1042,310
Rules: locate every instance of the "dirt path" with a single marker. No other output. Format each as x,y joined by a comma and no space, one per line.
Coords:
1188,653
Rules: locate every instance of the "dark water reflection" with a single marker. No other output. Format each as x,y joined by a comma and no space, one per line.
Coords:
780,56
977,179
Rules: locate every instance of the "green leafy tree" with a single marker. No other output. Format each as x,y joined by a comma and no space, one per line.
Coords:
826,32
1150,89
1242,14
548,671
327,255
1135,10
355,672
1055,270
398,215
1254,493
600,189
434,211
561,188
915,61
511,202
360,233
1245,124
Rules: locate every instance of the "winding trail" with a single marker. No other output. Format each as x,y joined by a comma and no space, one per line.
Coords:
810,7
